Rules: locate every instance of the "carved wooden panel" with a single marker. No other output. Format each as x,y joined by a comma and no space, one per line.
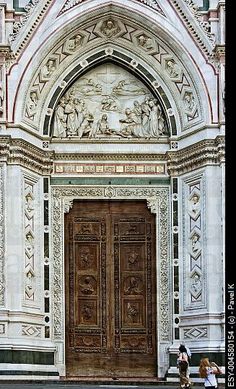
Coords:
110,289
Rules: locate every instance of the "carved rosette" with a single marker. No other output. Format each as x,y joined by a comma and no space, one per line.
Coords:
194,294
64,195
2,237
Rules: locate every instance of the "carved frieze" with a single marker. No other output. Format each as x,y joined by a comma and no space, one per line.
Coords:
61,168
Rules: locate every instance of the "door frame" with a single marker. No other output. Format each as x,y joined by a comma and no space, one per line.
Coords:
158,201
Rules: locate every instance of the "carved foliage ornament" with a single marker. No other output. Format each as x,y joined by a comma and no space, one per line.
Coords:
66,195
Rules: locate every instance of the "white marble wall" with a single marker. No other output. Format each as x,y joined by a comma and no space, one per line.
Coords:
202,261
23,310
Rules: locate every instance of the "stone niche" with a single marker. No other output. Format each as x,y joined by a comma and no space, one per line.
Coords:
108,102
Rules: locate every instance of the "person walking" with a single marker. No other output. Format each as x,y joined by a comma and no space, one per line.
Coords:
208,371
183,365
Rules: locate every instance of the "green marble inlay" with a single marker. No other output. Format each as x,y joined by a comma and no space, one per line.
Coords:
217,357
27,357
110,181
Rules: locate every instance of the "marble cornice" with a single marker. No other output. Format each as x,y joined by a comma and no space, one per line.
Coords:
201,154
198,155
20,152
108,157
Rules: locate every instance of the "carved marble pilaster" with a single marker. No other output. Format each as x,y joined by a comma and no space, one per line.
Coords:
30,232
2,237
194,274
157,198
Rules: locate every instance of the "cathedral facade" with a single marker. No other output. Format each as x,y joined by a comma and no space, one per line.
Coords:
111,186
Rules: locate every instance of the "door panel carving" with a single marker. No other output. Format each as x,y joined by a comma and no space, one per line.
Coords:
110,290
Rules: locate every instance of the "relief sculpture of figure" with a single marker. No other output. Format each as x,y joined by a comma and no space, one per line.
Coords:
86,125
145,42
133,286
31,107
103,126
132,313
128,87
29,284
136,116
48,69
88,87
195,244
196,284
153,120
71,117
194,205
128,123
60,119
172,68
107,103
189,101
86,285
72,44
109,28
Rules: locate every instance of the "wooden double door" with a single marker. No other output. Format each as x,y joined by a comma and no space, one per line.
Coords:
110,289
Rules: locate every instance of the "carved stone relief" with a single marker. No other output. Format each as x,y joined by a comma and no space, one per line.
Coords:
132,285
29,220
31,331
109,102
111,29
195,333
194,234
